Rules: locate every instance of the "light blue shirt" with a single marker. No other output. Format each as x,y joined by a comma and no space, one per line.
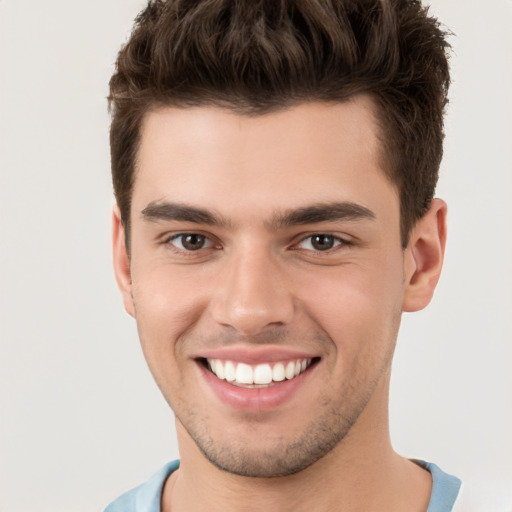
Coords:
147,497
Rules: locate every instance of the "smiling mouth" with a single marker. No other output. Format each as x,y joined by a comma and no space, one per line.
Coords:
260,375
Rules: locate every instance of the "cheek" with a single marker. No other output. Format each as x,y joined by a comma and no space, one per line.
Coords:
356,304
167,304
164,296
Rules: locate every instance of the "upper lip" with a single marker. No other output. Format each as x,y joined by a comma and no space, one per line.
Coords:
256,355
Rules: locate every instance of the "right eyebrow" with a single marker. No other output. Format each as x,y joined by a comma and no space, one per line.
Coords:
323,212
163,210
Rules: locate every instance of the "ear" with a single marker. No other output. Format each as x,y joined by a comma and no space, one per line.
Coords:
424,257
122,261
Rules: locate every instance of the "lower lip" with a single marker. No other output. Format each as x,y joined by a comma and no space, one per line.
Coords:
255,399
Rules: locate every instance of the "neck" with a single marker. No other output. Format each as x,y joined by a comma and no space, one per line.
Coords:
362,473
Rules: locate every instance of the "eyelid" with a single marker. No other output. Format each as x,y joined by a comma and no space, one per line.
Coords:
211,242
169,238
340,241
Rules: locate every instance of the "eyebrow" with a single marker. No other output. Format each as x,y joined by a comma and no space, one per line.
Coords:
162,210
321,212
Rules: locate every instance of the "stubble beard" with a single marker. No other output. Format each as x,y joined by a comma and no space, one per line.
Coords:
286,456
284,459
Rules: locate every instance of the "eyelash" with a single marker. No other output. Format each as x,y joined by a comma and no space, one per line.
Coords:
170,239
337,241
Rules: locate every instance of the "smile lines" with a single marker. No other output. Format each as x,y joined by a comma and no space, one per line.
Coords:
241,374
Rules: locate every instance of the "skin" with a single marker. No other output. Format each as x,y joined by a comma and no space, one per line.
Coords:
259,284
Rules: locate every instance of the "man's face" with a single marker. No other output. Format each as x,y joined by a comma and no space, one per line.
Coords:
267,248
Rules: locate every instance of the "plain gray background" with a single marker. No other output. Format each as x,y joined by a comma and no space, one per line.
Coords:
80,417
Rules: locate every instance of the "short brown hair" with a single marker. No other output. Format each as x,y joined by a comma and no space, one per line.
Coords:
255,56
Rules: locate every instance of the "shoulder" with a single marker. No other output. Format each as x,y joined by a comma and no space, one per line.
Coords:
445,488
449,493
145,497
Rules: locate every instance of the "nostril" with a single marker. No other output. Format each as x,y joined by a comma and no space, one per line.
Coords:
250,301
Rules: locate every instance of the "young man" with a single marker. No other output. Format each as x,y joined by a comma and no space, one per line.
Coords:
274,165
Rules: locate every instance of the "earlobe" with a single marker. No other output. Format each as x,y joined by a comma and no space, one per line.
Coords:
424,257
122,261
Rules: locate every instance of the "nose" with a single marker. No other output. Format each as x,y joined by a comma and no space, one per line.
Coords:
252,294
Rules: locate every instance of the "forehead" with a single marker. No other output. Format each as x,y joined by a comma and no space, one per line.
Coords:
216,158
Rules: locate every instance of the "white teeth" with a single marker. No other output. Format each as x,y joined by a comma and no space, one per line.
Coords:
278,372
244,374
229,371
290,370
219,369
260,374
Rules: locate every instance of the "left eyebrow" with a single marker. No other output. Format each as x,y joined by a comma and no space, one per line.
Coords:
163,210
322,212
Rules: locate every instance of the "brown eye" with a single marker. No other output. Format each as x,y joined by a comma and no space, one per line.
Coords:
320,242
190,241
